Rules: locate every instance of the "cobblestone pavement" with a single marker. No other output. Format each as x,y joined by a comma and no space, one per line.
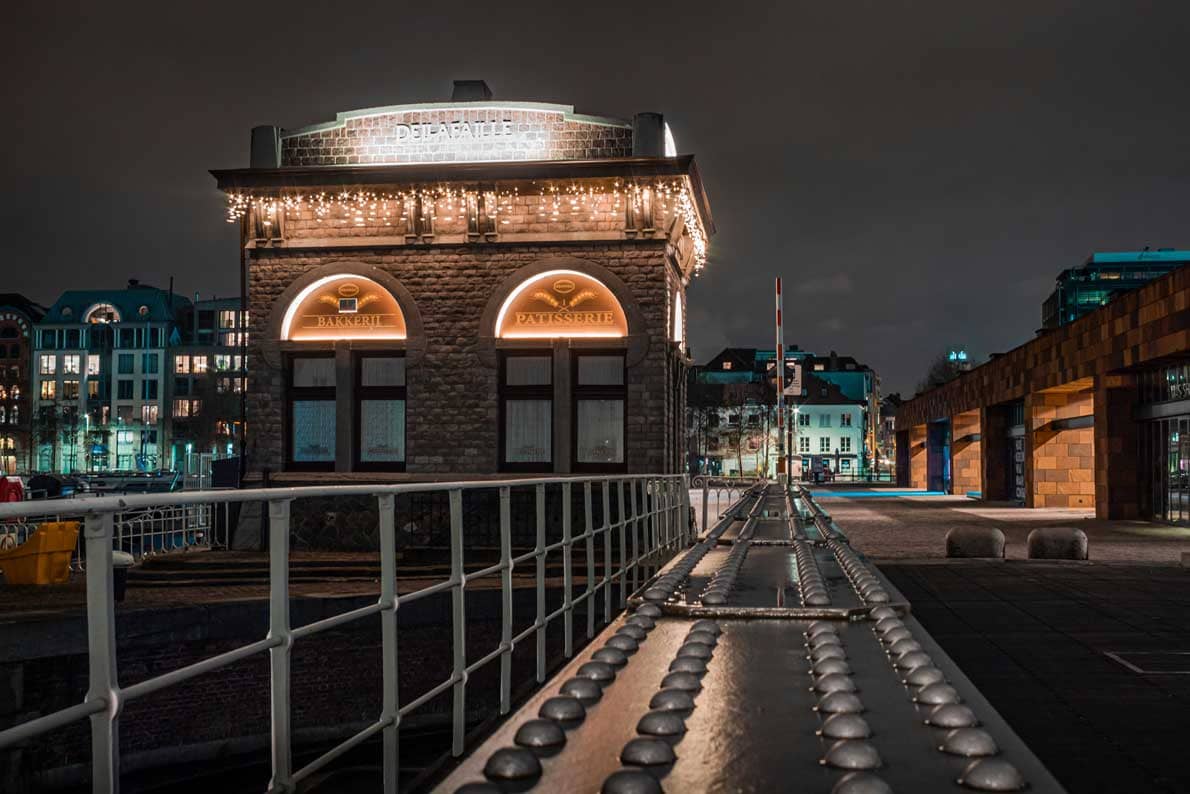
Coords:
915,527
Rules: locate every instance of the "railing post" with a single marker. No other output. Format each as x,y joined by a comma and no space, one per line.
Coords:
690,533
101,655
279,654
458,624
705,503
588,520
607,551
567,575
622,515
506,599
632,485
390,708
539,556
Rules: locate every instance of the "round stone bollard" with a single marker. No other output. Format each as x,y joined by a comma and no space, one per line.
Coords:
1057,543
975,542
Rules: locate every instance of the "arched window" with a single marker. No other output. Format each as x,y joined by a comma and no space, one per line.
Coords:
102,313
561,303
333,308
343,306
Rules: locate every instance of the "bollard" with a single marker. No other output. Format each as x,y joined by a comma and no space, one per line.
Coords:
1058,543
121,562
979,542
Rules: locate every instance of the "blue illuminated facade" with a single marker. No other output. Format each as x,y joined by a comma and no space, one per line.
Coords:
1105,275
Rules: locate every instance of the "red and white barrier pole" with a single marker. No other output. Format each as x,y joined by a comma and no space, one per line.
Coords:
780,374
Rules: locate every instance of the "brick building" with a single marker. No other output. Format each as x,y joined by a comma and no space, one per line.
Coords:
467,288
1092,413
18,316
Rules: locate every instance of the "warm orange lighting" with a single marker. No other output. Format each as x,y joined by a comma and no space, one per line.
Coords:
343,307
561,303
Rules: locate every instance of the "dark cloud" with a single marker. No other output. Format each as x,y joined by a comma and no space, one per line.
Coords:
947,159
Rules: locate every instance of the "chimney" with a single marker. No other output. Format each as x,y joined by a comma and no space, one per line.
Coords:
266,147
470,91
648,135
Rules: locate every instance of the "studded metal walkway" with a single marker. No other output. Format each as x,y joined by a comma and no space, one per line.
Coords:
769,657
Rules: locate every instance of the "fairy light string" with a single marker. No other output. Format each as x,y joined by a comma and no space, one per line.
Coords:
548,202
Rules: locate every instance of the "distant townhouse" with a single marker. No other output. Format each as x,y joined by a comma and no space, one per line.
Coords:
732,422
99,379
18,316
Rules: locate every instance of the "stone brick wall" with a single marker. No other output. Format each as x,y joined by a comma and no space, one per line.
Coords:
452,401
1063,460
965,454
463,134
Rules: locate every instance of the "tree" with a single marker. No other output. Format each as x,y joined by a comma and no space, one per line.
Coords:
942,370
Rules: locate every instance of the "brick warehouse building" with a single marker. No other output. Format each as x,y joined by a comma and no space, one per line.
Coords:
1093,413
467,288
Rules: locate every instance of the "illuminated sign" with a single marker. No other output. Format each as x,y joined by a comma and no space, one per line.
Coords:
561,303
343,307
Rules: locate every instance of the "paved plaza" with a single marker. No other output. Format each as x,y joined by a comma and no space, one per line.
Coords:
1089,662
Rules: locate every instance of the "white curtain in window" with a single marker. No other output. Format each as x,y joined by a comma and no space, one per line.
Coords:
382,431
527,431
316,372
600,431
600,370
527,370
313,431
383,371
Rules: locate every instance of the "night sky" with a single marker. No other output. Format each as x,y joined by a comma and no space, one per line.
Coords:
918,172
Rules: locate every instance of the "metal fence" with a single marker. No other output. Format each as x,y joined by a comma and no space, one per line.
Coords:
651,522
141,532
722,491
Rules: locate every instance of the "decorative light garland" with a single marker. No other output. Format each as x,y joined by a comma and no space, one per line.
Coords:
383,208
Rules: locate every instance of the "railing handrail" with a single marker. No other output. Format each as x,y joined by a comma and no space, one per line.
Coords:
660,519
114,504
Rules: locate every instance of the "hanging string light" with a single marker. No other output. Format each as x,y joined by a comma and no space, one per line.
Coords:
547,202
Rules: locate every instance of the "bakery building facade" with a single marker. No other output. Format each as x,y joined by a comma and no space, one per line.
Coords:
468,288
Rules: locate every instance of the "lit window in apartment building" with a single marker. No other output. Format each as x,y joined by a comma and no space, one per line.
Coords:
48,364
49,390
228,385
824,444
92,387
182,365
222,363
183,408
198,365
70,364
92,365
845,444
14,415
70,390
844,420
149,414
227,318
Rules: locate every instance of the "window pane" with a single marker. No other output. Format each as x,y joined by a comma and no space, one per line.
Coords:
527,431
382,372
313,372
600,431
382,431
313,431
600,370
528,371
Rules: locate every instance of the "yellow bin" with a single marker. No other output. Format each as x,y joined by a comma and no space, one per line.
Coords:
45,557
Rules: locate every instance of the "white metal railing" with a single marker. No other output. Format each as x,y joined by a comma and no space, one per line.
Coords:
652,520
725,491
142,532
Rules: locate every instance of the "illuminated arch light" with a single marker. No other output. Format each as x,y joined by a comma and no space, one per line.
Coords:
100,313
561,303
343,306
